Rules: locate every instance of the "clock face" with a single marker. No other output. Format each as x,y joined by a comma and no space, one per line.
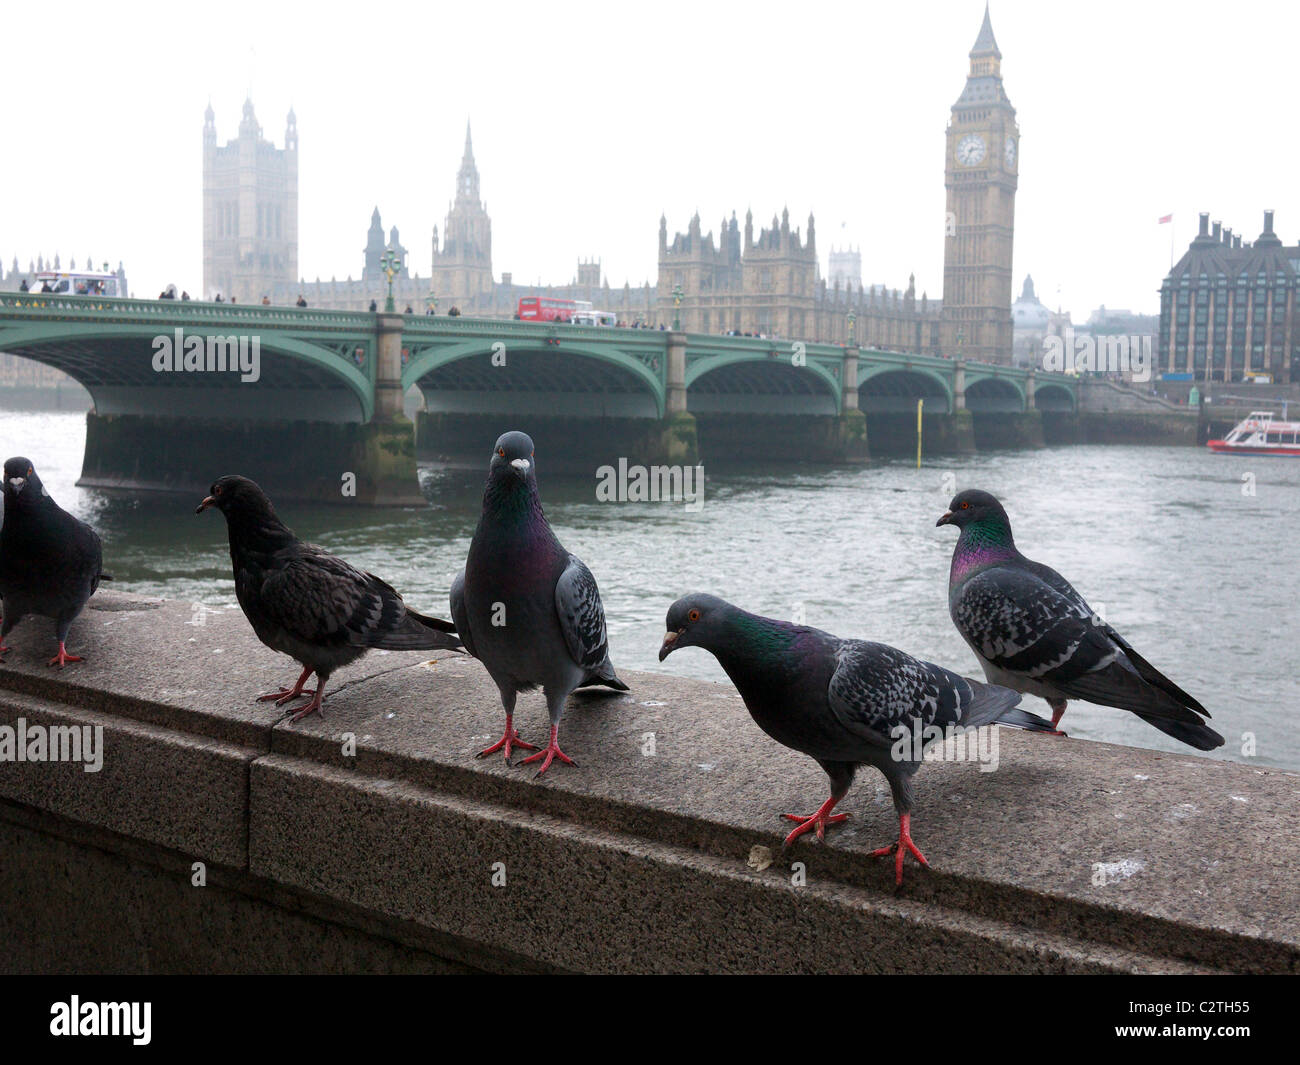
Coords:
970,150
1009,152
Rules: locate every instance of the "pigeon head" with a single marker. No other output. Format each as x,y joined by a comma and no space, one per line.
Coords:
21,481
972,507
512,457
695,620
233,494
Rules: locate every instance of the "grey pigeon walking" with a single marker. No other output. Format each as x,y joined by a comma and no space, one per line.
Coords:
1033,632
842,702
50,562
525,607
307,603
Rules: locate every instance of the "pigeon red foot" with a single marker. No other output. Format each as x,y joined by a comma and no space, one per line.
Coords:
902,847
550,752
312,707
1058,712
285,695
819,821
62,658
507,742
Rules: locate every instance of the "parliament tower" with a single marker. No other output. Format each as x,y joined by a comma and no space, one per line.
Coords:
980,174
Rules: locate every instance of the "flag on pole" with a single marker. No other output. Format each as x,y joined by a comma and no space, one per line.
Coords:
1167,218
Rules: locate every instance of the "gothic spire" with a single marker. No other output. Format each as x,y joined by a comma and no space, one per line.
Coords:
985,43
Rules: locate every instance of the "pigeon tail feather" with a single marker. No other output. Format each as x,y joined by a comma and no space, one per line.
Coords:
416,637
1030,722
989,702
1202,737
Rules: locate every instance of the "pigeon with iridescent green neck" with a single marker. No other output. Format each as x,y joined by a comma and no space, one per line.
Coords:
1033,632
844,703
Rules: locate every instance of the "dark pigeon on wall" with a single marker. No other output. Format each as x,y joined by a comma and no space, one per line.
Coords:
307,603
50,562
526,608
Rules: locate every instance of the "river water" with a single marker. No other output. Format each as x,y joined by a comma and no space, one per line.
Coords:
1192,556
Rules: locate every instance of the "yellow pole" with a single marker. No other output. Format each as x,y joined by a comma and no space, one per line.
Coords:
919,404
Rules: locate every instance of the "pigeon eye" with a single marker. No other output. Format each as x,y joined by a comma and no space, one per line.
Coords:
965,506
694,615
501,451
216,489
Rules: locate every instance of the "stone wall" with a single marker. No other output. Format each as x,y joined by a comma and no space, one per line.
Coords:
404,853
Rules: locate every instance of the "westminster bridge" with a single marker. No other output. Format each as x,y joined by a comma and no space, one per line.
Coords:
297,397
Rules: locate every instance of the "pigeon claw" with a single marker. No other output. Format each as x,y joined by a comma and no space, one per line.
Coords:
508,741
285,695
903,847
62,658
819,821
312,707
550,752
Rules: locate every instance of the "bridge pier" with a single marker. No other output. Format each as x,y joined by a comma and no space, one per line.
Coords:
853,423
319,462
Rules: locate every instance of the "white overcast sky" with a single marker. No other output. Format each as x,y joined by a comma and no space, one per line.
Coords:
592,118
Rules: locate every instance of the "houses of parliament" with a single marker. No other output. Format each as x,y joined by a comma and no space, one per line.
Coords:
763,281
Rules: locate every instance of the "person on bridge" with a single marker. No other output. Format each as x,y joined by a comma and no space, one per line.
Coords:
22,287
373,306
266,301
301,302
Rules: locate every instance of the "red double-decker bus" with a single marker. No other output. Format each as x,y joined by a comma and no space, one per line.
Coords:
549,309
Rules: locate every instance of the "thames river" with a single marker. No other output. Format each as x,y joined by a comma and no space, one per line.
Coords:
1192,556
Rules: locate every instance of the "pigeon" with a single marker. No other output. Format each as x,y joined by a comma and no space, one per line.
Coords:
50,562
307,603
844,703
525,607
1033,632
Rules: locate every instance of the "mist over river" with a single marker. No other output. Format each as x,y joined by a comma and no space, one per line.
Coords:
1167,543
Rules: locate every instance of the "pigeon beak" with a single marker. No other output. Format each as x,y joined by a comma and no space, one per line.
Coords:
208,501
521,466
669,645
16,483
945,520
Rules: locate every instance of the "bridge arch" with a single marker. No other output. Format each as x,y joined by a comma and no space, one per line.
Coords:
992,394
750,382
114,363
542,378
1053,397
889,389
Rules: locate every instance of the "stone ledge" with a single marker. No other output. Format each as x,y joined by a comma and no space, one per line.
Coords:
642,860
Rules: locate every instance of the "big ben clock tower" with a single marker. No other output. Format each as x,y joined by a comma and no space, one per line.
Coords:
980,172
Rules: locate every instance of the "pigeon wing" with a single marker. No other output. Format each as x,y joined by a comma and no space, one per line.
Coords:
459,614
1145,669
876,688
318,598
582,618
1020,623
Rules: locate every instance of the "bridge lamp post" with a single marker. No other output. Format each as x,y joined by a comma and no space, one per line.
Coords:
853,321
391,265
432,300
677,308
